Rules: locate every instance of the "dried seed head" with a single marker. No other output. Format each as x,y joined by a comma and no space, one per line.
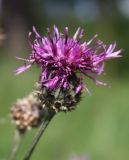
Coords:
61,99
27,113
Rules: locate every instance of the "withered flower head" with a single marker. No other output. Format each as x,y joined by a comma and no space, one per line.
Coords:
27,113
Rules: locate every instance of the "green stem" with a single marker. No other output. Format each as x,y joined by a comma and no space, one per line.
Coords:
16,145
40,132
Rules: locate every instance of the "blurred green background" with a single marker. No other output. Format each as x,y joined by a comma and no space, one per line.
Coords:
99,127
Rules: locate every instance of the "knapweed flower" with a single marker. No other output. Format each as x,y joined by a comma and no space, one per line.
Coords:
64,62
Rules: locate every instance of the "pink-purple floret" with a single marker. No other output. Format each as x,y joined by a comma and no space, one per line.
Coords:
61,56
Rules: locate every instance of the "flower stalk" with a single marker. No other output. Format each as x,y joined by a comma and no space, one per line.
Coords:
16,145
40,132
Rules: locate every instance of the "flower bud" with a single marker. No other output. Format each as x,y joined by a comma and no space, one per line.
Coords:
61,99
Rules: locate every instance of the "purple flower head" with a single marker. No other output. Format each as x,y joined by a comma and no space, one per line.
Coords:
61,56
